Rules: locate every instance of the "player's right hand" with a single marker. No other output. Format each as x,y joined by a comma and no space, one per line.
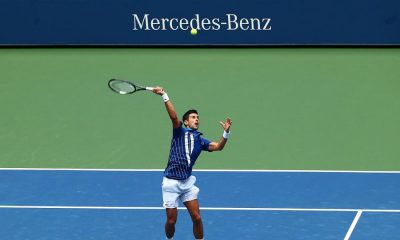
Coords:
158,90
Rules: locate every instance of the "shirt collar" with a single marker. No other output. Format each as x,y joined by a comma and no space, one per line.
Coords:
193,131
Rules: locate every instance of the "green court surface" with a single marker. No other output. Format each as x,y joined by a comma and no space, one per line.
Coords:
292,108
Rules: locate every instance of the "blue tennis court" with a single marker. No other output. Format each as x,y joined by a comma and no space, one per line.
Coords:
126,204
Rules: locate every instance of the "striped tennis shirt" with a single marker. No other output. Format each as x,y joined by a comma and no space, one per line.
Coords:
186,146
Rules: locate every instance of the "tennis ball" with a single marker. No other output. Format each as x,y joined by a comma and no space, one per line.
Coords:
193,31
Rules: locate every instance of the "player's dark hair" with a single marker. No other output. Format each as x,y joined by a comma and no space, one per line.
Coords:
186,115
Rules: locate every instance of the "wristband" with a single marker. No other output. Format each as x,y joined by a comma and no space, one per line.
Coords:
165,97
226,134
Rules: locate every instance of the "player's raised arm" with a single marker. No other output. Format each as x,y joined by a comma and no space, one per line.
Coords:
218,146
169,106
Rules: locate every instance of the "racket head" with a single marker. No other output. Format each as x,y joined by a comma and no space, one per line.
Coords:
122,86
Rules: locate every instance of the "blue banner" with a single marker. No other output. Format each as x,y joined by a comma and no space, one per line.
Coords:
251,22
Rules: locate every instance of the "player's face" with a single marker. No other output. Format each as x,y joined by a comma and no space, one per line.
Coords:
192,121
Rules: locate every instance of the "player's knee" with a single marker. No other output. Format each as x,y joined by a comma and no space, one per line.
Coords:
171,220
196,218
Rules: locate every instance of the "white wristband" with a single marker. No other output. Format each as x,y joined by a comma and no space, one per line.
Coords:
165,97
226,134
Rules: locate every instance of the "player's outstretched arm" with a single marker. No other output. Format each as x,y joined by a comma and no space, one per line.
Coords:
169,106
218,146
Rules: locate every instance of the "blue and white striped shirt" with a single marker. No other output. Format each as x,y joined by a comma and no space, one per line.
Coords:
186,146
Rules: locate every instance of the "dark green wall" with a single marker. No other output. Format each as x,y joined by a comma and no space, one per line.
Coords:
291,108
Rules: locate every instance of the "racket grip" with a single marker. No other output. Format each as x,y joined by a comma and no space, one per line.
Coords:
149,88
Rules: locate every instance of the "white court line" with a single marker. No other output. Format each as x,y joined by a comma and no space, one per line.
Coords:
203,208
353,225
195,170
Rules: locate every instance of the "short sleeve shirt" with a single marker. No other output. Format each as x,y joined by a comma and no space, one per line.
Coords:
186,146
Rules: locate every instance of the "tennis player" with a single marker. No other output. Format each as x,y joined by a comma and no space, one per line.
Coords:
178,182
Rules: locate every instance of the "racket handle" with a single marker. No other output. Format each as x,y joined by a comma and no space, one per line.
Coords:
149,88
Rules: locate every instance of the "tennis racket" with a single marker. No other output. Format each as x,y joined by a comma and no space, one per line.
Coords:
126,87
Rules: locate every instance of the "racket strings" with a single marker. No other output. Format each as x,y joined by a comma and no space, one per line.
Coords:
122,87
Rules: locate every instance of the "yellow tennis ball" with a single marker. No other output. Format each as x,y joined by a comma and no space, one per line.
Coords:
193,31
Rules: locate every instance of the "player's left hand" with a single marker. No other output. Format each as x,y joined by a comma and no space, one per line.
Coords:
226,125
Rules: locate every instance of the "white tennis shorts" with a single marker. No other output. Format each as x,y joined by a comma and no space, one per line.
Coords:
174,190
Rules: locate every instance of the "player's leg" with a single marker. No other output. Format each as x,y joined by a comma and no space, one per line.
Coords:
172,215
194,211
170,198
189,198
